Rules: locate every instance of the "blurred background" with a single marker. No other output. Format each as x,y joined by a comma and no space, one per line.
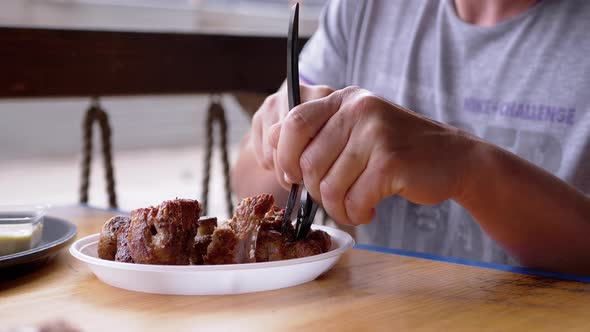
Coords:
158,140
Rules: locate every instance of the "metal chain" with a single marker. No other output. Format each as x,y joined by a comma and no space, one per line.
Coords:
96,113
216,113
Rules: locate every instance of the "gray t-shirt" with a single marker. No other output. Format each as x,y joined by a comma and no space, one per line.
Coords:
523,84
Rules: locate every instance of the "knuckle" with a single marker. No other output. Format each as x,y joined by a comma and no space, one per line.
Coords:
325,90
257,117
364,102
351,93
351,90
306,164
328,192
350,206
391,173
296,120
270,102
373,129
361,104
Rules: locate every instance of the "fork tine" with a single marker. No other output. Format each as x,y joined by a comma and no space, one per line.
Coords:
306,215
289,208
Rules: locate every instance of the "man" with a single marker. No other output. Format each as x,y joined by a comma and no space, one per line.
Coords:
492,161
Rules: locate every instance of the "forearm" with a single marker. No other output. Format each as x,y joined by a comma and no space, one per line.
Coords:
540,219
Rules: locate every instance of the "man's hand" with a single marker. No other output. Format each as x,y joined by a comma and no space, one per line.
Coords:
352,149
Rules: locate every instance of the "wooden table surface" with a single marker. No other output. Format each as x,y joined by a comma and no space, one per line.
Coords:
365,291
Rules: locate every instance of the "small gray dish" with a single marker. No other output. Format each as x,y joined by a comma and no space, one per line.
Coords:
57,235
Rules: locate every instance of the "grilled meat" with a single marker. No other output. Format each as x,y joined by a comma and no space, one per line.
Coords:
123,253
164,234
172,233
107,243
205,228
206,225
223,247
199,250
271,245
233,243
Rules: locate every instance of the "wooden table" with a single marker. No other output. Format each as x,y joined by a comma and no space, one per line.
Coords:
365,291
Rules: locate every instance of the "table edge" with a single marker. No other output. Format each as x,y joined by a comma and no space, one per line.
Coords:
475,263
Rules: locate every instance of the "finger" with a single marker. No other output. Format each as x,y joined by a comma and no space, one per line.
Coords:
256,138
299,127
324,149
275,132
269,113
280,174
307,93
342,175
267,149
375,183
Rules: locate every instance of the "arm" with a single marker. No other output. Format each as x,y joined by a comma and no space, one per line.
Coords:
352,149
541,220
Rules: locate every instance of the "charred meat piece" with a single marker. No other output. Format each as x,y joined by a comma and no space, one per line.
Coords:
223,247
164,234
301,249
205,228
271,245
123,254
320,238
316,242
206,225
107,243
273,219
250,212
234,243
199,251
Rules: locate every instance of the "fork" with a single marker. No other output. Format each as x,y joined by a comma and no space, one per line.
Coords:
307,207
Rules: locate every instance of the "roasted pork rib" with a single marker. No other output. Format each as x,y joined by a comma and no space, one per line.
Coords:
172,233
164,234
233,243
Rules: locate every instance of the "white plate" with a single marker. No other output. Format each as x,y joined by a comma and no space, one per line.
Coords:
211,279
